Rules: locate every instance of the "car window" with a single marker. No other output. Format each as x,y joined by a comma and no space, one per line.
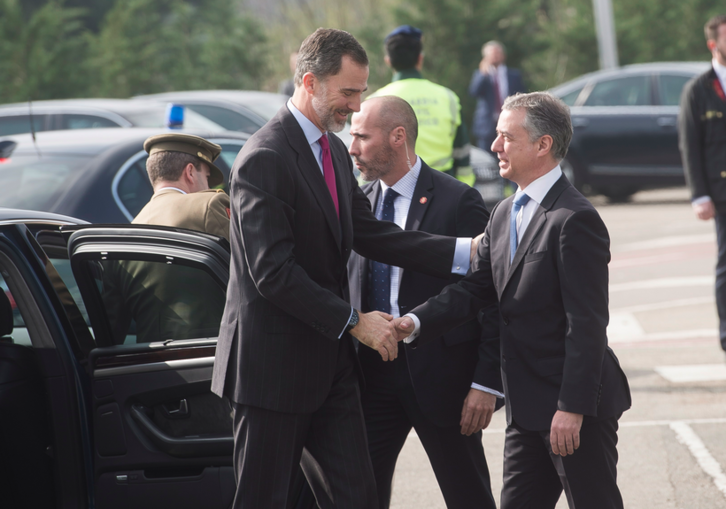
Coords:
134,188
230,120
627,91
18,124
18,330
155,116
75,121
149,301
670,88
267,107
36,183
571,97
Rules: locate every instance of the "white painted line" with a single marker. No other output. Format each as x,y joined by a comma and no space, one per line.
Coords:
668,242
678,335
648,260
689,438
666,282
659,306
624,327
692,373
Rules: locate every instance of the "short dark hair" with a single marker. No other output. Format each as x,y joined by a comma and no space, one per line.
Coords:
711,27
169,166
545,114
396,112
403,51
322,52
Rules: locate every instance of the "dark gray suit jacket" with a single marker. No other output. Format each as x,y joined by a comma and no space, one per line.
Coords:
288,298
553,301
442,372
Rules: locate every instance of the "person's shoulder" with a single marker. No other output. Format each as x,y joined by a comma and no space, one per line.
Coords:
451,186
698,83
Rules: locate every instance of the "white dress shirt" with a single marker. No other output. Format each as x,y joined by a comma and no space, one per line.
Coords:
502,82
172,188
312,133
720,71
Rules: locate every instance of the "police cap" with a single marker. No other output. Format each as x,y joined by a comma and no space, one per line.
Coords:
406,30
197,146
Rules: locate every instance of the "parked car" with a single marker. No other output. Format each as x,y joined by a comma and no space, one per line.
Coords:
625,127
98,175
92,414
92,114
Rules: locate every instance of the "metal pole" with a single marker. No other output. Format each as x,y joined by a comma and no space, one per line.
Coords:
605,27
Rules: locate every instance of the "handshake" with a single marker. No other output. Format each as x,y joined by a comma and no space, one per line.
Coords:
381,332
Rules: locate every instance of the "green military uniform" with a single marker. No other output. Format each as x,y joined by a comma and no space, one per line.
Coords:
205,211
442,139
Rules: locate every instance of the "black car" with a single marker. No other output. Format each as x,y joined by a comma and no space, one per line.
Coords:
625,127
92,114
98,175
94,411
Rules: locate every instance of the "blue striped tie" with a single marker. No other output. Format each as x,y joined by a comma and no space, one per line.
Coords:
519,201
379,274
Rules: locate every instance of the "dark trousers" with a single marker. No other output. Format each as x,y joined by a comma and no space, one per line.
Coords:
329,444
721,276
534,478
391,410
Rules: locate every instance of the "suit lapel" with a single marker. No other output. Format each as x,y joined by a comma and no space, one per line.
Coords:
422,195
312,174
373,192
539,218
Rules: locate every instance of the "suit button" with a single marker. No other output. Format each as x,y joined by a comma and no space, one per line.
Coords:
723,174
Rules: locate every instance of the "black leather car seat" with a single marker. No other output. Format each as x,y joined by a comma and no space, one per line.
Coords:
26,469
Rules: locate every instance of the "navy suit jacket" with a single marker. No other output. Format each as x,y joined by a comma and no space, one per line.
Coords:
481,87
442,372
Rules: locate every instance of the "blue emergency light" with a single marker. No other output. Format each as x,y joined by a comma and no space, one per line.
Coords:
174,116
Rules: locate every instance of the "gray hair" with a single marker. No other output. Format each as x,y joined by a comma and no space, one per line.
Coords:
169,166
495,44
545,114
322,52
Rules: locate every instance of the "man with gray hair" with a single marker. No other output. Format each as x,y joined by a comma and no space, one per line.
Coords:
544,258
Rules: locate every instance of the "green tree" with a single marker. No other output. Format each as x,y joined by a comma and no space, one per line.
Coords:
43,57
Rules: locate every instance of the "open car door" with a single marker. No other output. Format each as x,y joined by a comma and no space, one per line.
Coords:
154,297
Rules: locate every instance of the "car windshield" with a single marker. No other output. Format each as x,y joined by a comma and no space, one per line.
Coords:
267,107
36,183
155,116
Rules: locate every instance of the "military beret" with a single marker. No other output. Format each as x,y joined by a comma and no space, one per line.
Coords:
197,146
406,30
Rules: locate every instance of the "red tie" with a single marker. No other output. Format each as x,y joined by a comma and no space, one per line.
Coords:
329,172
497,97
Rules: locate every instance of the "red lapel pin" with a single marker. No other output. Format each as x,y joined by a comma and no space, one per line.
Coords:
423,200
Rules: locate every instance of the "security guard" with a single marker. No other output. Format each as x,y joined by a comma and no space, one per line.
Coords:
442,138
181,169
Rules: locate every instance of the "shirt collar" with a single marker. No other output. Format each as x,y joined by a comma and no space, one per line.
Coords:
720,70
312,133
538,189
170,188
406,185
407,74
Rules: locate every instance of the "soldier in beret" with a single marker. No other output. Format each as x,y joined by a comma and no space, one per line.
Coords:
181,169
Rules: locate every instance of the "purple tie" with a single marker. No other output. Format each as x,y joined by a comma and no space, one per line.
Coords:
329,172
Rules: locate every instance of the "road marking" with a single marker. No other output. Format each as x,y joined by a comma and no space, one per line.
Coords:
649,260
624,327
659,306
711,467
677,335
692,373
668,242
666,282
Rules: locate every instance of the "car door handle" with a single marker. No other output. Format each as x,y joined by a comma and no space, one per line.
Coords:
580,122
667,121
184,447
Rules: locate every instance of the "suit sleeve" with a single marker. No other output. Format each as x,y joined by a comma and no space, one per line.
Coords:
480,85
264,193
472,218
216,220
690,137
583,274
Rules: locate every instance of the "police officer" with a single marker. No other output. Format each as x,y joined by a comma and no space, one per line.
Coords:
181,169
442,138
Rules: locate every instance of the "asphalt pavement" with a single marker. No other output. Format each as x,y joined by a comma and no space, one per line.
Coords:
663,328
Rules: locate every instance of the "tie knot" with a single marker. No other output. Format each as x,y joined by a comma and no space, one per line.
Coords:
324,142
389,196
521,199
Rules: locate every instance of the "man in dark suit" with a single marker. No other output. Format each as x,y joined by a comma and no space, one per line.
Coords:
285,358
544,257
703,149
445,392
491,84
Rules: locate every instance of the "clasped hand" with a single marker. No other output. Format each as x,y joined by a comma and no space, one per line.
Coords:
378,331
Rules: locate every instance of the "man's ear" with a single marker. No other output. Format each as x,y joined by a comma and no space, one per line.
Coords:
398,136
711,45
188,173
544,145
387,60
309,82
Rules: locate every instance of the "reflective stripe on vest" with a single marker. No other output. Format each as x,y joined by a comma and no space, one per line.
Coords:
438,113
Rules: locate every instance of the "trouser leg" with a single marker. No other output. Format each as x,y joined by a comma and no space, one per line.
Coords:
721,276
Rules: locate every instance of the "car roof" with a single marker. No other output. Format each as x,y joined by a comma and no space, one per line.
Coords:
243,97
95,141
63,105
693,68
20,216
